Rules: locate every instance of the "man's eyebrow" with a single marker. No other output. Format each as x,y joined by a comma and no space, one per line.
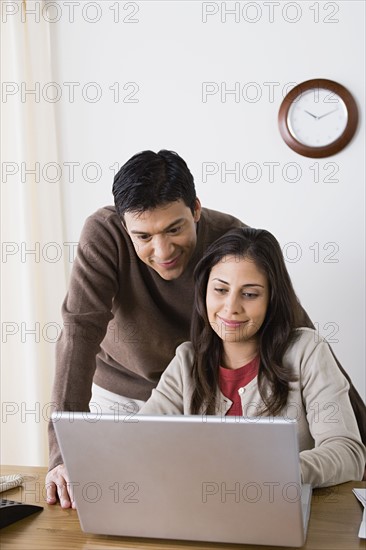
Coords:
243,286
170,226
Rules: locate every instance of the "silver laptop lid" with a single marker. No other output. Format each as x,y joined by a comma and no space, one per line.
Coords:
222,479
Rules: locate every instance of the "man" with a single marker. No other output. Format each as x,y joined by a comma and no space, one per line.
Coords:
131,294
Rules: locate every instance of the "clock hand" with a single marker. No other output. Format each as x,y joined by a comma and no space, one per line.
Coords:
326,114
311,114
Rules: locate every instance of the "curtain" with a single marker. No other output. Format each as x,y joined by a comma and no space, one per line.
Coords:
34,261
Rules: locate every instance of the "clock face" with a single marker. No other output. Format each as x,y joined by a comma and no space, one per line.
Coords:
317,117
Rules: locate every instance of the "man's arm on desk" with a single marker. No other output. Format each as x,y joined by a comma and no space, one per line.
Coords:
58,485
86,312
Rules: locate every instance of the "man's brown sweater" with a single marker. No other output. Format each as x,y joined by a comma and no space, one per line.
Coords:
122,321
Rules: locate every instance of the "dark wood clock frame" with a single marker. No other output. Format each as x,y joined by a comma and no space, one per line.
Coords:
339,143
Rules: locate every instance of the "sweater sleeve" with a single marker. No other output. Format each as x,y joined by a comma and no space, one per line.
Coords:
86,312
338,454
173,392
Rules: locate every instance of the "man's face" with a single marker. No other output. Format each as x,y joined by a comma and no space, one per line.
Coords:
165,237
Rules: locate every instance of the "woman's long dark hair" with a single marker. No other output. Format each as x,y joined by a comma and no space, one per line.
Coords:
275,335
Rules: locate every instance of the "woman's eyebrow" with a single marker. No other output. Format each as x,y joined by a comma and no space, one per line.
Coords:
243,286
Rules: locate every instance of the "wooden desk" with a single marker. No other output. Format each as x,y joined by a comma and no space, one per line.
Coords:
334,523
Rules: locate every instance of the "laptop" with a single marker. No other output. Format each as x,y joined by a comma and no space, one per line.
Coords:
215,479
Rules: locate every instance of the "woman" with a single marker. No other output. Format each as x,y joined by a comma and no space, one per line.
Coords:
246,357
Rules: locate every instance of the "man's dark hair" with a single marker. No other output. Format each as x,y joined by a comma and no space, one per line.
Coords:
151,179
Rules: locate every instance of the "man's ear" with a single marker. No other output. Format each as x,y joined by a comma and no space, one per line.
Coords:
122,220
197,210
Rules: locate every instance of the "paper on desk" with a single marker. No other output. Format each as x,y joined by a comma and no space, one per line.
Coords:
8,482
11,481
361,495
362,531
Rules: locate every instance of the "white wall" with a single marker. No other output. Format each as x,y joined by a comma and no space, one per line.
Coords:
162,58
169,53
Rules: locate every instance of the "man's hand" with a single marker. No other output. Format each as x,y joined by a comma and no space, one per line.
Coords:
58,485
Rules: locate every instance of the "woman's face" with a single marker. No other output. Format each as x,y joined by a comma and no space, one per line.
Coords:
236,299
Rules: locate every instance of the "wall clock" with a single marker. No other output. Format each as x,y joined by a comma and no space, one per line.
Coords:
318,118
